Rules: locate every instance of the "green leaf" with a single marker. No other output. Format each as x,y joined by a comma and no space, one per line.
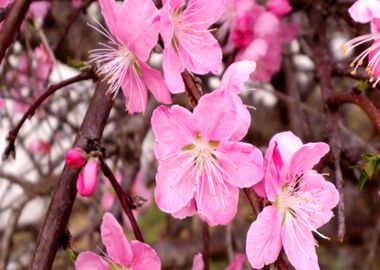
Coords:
368,169
363,86
77,64
73,255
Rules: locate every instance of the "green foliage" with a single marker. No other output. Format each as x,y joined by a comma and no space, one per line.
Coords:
77,64
72,254
368,169
363,86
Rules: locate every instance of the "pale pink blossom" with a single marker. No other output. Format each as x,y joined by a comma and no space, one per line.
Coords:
38,146
201,166
188,42
39,9
237,263
198,262
75,158
2,103
279,7
76,3
121,253
365,11
87,181
122,61
301,202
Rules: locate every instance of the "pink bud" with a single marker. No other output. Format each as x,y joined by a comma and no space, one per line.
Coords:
242,33
75,158
87,181
279,7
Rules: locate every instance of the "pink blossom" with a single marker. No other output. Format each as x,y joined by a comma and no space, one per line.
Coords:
279,7
2,103
122,61
242,33
76,3
198,262
201,166
38,9
188,42
122,254
75,158
43,63
301,203
38,146
270,34
87,181
237,263
364,12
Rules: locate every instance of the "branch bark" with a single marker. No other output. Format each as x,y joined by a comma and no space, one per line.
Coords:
12,25
61,204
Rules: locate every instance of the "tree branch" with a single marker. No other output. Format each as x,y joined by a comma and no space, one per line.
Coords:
12,135
61,204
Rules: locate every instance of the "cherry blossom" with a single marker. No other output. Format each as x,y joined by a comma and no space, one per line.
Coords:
202,164
301,203
75,158
122,254
188,42
122,61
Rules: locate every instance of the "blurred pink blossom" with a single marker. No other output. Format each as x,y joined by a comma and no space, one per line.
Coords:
38,146
121,253
75,158
279,7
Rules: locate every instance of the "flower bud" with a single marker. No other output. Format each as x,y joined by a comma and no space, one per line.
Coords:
87,181
75,158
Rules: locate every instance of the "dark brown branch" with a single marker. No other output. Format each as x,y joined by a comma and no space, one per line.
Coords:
125,200
255,207
68,26
341,98
4,12
60,206
192,89
12,25
206,246
12,135
324,71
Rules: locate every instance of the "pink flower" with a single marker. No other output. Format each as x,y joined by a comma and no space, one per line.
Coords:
75,158
201,164
279,7
122,61
122,254
39,9
43,63
38,146
2,103
301,203
87,181
237,263
188,42
198,262
365,11
242,33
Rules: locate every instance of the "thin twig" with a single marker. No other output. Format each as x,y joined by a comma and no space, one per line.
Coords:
125,200
255,207
12,135
206,246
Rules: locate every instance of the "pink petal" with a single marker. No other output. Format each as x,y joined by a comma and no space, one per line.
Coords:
216,202
287,144
113,237
267,24
200,52
175,181
109,11
272,179
305,158
236,75
155,83
134,91
237,263
198,262
173,67
243,119
259,188
173,129
39,9
242,163
166,21
279,7
203,13
138,29
90,261
190,209
264,238
323,197
75,158
87,181
299,245
216,116
363,11
144,257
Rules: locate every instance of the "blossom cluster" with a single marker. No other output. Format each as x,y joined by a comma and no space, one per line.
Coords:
202,161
